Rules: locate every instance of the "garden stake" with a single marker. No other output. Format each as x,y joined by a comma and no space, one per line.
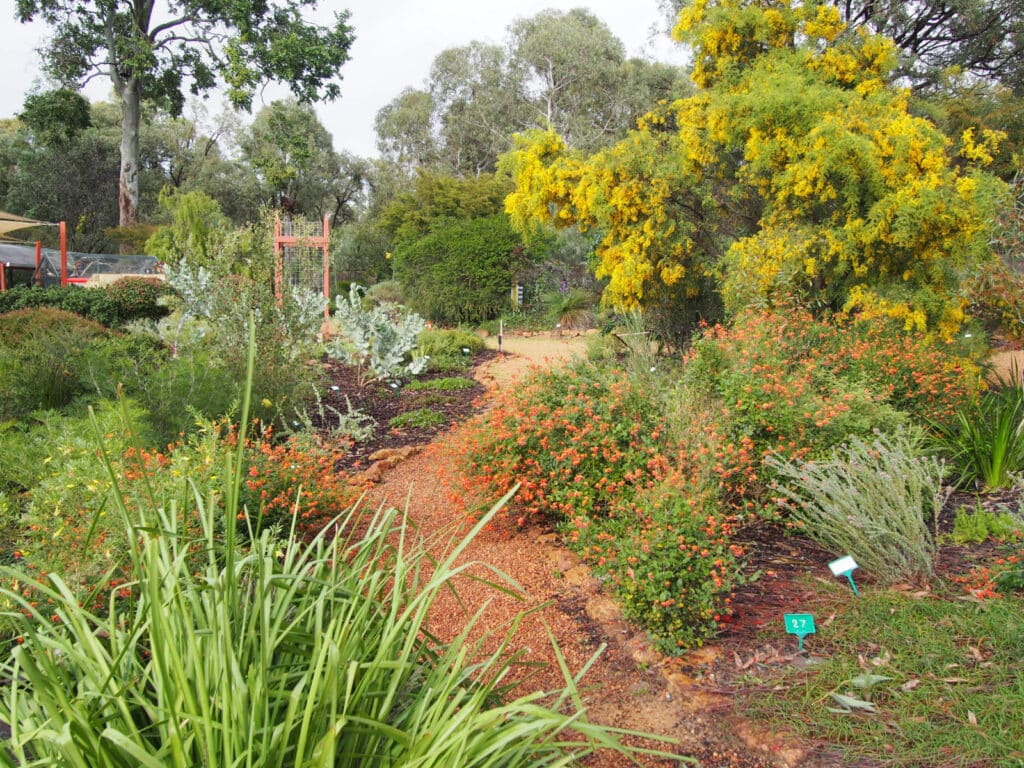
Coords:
845,566
801,625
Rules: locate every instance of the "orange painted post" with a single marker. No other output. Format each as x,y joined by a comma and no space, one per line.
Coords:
278,264
63,254
37,278
3,277
327,266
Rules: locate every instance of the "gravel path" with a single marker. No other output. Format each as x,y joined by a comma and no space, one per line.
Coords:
629,685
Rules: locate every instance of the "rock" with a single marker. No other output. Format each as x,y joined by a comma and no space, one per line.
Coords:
641,650
563,561
580,576
393,455
601,608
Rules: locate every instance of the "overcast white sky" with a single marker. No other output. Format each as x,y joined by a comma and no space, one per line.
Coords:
396,41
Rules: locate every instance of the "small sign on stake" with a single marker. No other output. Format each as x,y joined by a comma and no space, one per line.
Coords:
799,624
845,566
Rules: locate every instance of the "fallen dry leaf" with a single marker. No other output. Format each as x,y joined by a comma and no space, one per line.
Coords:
910,684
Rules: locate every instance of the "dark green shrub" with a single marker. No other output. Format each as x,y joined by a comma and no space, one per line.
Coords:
128,299
462,271
138,298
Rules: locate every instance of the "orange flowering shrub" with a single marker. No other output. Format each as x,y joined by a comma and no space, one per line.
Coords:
578,439
797,385
296,477
670,556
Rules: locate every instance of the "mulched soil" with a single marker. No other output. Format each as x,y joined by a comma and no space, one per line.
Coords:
384,400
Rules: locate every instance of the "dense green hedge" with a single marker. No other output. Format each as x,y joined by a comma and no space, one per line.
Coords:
131,298
462,271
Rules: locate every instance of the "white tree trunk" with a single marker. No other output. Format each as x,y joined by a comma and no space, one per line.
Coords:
128,192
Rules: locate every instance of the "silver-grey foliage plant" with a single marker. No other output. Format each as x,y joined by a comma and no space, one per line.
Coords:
871,499
376,341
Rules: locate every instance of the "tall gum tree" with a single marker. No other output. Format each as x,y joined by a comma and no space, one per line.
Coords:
156,51
795,173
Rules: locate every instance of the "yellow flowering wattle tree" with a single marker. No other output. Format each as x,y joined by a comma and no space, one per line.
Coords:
797,172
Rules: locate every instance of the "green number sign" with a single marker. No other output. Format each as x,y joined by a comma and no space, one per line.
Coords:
799,624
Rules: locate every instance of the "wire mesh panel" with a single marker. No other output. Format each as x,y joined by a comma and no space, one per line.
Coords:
301,249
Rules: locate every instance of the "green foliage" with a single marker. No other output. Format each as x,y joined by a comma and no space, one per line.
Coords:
376,341
446,384
419,418
138,298
441,342
986,441
209,324
572,310
70,525
871,499
974,527
126,300
386,292
462,272
44,356
56,116
670,557
194,232
437,197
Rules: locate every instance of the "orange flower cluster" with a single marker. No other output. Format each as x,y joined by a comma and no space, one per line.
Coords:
577,440
294,478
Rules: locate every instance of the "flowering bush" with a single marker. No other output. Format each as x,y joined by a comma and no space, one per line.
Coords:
669,554
797,385
296,477
578,439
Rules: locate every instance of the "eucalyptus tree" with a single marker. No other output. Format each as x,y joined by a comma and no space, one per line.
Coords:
154,51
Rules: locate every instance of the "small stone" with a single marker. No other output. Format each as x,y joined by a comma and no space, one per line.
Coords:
601,608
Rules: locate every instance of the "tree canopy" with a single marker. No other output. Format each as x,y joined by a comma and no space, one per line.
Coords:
561,69
796,173
156,52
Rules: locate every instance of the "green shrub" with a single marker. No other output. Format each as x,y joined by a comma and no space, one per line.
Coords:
43,356
446,384
436,342
138,298
974,527
669,555
986,442
571,310
386,292
210,323
128,299
461,272
872,500
420,418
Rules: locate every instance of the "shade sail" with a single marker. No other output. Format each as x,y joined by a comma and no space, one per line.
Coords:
9,222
